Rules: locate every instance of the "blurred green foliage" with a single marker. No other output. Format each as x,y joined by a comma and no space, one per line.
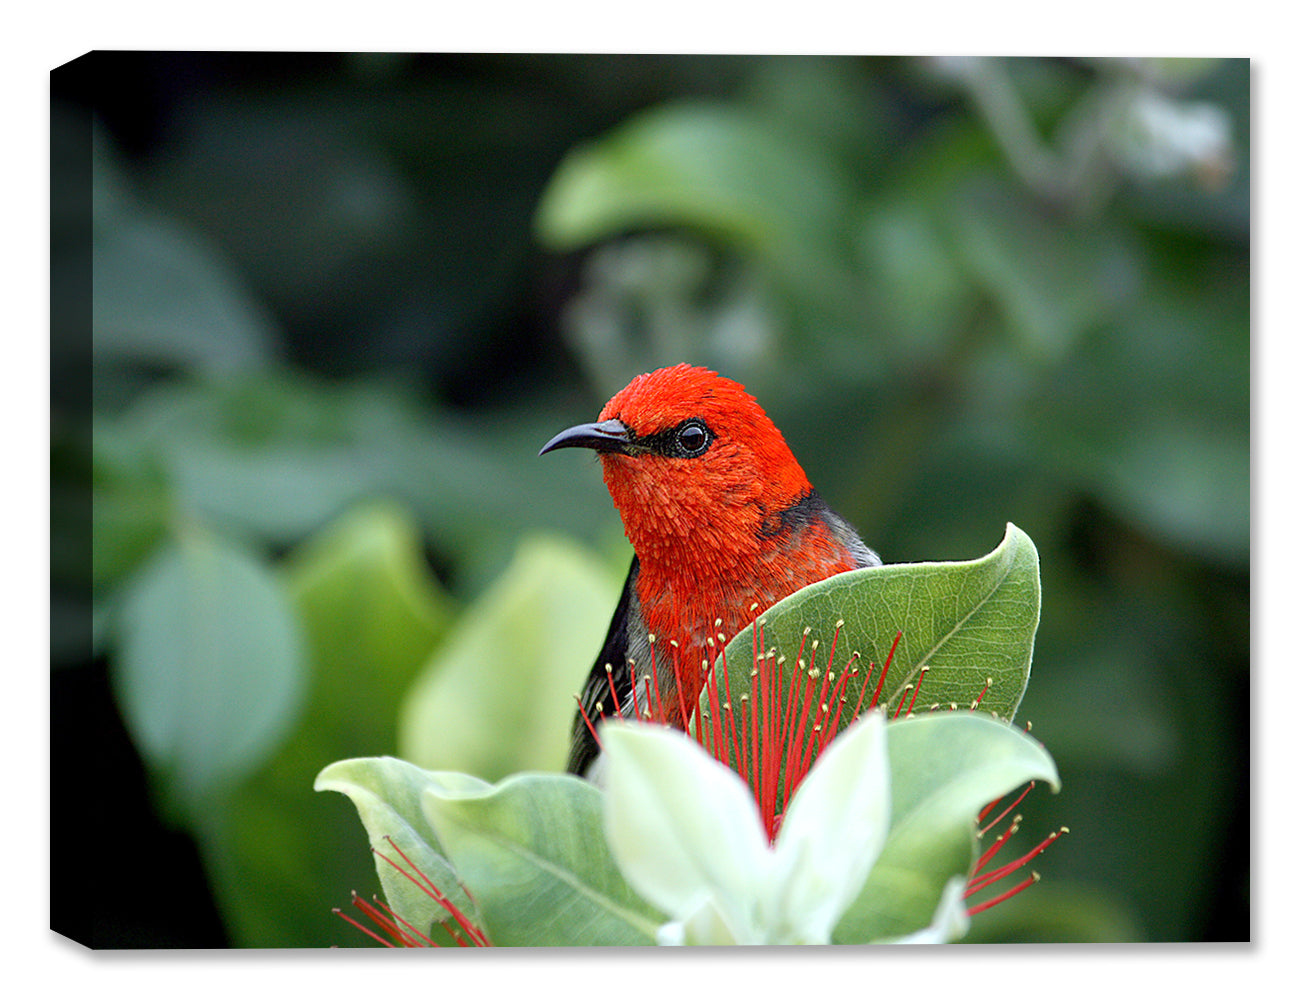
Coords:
339,302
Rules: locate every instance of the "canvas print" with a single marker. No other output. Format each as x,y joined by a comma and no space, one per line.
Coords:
557,501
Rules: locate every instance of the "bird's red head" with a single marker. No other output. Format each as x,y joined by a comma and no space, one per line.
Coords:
696,468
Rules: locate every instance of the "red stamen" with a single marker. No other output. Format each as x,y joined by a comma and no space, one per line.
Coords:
822,712
862,692
412,935
901,702
841,696
797,765
735,739
792,699
983,881
828,732
374,915
1000,842
591,728
875,698
715,711
772,726
1002,815
654,679
1003,897
427,885
681,702
613,692
920,677
631,676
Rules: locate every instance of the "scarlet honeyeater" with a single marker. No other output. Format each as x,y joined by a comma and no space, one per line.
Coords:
723,521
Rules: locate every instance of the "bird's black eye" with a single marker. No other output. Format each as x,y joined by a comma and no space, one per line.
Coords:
693,437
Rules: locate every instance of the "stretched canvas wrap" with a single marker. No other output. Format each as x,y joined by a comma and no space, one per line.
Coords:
326,628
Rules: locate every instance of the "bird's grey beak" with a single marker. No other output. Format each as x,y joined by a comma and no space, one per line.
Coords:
608,435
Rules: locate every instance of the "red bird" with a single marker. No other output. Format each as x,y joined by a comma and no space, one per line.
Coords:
724,524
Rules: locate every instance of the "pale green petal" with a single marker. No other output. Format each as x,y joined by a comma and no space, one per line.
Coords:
683,828
833,832
951,922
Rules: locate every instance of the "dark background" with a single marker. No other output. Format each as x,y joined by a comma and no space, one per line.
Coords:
963,289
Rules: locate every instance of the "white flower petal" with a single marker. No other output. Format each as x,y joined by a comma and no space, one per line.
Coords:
832,833
671,934
684,829
709,926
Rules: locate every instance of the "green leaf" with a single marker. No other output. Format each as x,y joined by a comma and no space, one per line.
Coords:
944,767
163,296
532,852
387,793
209,674
966,624
754,183
497,696
279,856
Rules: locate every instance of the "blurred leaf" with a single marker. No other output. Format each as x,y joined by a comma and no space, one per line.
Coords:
708,167
282,856
1188,481
1052,280
162,295
368,601
498,695
273,457
944,767
131,504
532,852
918,287
1152,418
278,457
652,299
838,101
209,672
387,793
1130,728
1056,913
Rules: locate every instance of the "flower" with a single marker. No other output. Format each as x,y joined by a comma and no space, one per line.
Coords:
700,826
687,834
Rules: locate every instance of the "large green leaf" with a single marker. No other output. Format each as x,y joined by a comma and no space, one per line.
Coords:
709,167
532,852
944,767
967,625
280,856
388,793
498,696
209,672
